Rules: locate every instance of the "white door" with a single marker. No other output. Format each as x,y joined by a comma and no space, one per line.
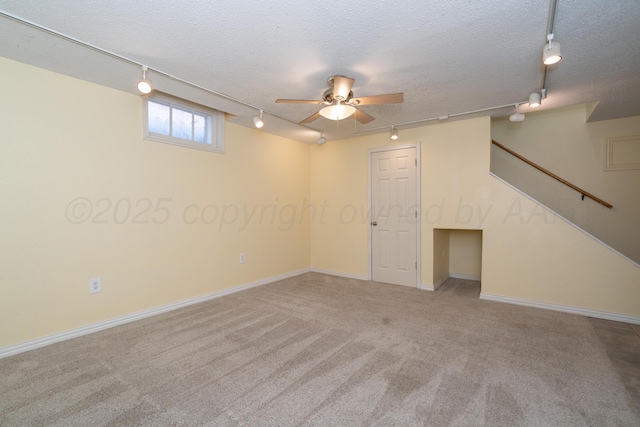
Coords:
394,205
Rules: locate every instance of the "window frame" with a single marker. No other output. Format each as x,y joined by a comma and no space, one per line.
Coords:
217,123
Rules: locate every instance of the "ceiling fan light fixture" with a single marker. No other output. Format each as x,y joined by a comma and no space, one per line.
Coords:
144,84
339,103
551,53
535,99
394,133
338,111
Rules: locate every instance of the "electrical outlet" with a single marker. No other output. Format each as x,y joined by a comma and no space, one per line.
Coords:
243,258
95,285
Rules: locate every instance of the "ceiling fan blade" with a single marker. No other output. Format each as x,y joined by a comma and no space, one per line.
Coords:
311,118
363,117
299,101
389,98
342,87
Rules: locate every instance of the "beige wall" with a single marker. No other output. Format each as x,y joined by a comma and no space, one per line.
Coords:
66,142
466,252
71,150
562,142
441,253
528,253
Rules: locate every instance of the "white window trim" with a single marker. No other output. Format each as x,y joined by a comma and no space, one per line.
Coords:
217,124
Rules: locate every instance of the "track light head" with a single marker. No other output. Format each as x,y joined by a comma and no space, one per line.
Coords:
517,117
551,53
144,84
257,121
394,133
321,140
535,99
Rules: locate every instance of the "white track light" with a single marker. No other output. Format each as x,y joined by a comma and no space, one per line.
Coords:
257,121
517,117
321,140
551,53
394,133
534,100
144,84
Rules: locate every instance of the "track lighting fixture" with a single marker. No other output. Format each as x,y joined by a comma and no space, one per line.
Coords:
144,84
394,133
534,99
257,121
321,140
517,117
551,53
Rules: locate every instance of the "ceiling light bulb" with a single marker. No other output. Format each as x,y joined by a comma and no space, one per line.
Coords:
394,133
551,53
144,84
257,121
321,140
338,111
534,100
517,117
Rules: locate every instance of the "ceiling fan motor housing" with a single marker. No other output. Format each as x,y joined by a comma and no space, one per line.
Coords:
328,97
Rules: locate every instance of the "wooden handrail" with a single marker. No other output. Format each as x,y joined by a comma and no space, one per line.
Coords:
553,175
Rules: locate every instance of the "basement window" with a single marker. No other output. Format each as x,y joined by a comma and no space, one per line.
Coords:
177,121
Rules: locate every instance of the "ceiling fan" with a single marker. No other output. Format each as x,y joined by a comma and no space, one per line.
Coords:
340,102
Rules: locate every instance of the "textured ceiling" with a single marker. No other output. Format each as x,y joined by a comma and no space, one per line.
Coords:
447,56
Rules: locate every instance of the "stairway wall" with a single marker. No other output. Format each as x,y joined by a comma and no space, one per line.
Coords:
562,142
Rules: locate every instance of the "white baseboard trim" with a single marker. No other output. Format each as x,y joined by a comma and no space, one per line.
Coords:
110,323
464,276
436,285
338,273
441,281
444,278
563,308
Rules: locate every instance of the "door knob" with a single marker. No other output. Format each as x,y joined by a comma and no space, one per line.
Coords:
374,223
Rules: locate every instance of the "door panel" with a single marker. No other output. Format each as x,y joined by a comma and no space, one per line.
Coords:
394,202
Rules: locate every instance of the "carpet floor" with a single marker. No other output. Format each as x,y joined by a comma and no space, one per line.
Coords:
324,350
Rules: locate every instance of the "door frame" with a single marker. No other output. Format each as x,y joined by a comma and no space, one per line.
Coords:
415,145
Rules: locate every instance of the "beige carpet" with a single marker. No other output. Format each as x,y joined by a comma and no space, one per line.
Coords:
324,350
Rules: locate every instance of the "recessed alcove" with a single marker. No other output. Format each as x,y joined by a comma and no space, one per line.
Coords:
457,254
